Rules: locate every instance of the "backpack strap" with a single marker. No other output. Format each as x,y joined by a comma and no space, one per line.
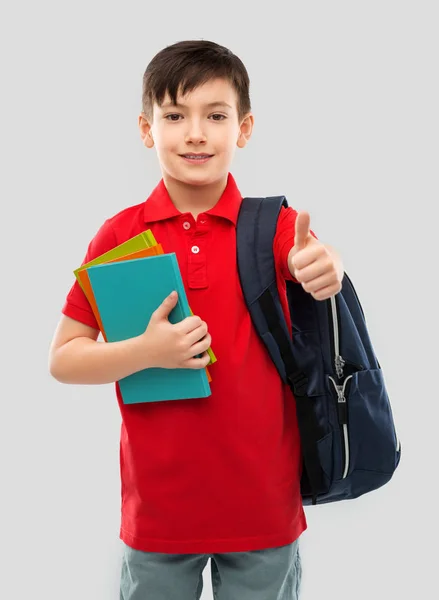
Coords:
255,232
256,228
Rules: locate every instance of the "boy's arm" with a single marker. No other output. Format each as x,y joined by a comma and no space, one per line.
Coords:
77,357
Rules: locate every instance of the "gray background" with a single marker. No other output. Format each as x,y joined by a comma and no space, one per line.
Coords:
345,97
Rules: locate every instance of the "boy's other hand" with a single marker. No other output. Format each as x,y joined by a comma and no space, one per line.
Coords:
317,266
174,346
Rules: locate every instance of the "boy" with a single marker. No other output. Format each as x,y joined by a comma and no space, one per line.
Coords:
216,477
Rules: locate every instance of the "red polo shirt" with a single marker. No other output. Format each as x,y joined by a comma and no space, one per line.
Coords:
216,474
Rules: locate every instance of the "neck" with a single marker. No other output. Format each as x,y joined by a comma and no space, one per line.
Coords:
192,198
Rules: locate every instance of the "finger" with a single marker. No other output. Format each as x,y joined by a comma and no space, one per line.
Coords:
318,283
197,363
197,334
189,324
302,229
327,292
200,346
308,255
162,312
314,267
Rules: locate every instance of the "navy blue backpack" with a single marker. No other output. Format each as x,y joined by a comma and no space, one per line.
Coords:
348,437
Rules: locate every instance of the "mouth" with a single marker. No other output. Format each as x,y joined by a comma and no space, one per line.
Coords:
196,158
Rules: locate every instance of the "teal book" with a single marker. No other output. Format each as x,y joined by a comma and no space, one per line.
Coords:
127,293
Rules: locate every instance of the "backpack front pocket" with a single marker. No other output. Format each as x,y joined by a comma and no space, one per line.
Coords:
368,433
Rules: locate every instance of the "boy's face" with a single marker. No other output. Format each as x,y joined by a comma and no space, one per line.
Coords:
205,121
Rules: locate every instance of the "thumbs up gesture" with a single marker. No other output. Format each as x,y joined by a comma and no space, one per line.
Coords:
317,266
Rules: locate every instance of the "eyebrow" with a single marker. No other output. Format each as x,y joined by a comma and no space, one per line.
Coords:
210,105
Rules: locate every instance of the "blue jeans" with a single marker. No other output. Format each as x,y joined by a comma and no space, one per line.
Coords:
271,574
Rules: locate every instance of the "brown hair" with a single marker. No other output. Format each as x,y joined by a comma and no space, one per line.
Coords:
188,64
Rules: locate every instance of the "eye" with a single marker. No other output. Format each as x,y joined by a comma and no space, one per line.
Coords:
214,117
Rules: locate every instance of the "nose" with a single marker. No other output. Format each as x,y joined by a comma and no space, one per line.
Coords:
194,133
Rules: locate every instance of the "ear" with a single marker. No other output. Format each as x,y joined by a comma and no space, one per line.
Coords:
145,130
245,130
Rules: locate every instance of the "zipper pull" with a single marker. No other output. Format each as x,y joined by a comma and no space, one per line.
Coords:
342,406
341,400
339,364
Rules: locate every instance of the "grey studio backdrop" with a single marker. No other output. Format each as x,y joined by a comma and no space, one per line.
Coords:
345,97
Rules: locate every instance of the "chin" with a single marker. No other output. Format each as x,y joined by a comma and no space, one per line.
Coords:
199,179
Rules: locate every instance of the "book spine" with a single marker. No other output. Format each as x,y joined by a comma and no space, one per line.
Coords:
182,299
179,287
149,238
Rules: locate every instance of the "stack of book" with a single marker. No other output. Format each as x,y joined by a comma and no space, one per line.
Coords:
124,287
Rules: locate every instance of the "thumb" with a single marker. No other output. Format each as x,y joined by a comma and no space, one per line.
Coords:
303,221
162,312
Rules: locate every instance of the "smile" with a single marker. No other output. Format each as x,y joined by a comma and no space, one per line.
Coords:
196,158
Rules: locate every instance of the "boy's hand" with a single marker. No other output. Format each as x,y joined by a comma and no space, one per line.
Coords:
317,266
173,346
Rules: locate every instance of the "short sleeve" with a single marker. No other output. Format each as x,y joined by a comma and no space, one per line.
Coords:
76,305
284,240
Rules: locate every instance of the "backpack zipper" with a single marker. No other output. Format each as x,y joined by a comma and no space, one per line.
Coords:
340,362
343,420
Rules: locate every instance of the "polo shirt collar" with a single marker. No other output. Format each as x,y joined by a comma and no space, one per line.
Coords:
159,205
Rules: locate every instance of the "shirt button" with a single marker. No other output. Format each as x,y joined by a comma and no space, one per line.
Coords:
195,249
186,225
